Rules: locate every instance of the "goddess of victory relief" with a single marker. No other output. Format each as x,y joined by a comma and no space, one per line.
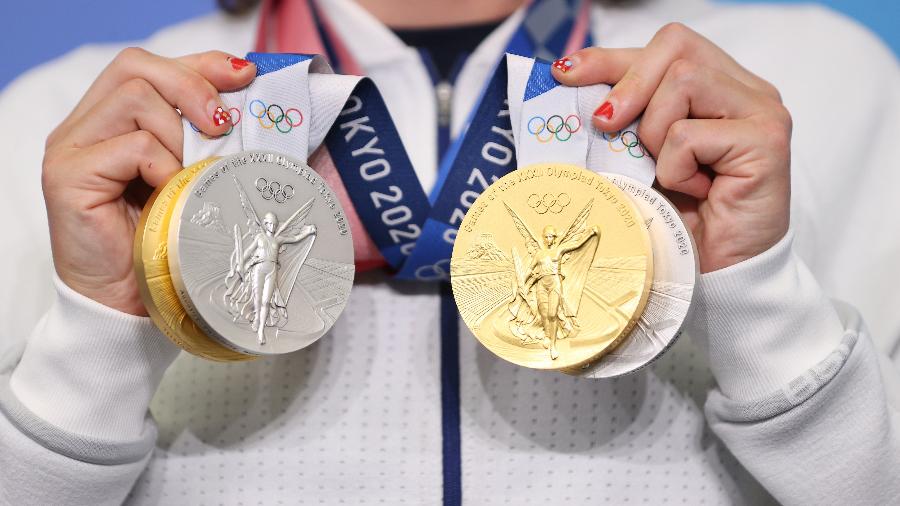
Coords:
256,290
550,280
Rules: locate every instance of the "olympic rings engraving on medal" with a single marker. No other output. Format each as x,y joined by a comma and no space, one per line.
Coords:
554,127
269,190
548,202
274,116
235,119
628,140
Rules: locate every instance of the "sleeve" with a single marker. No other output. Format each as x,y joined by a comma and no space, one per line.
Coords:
34,475
804,400
76,377
807,397
74,422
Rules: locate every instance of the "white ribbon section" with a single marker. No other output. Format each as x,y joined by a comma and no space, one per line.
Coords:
287,111
548,126
277,113
617,152
555,126
199,146
328,93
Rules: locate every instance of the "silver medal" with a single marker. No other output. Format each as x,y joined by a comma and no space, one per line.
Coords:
261,253
674,275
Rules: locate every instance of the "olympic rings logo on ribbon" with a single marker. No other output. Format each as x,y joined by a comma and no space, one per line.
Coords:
554,127
274,190
628,140
438,271
549,202
274,116
235,119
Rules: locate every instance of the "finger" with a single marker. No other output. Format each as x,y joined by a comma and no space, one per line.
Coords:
692,143
594,65
691,90
674,41
224,71
135,105
100,173
179,82
698,150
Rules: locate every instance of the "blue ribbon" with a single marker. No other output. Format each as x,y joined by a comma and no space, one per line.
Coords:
373,165
484,154
415,234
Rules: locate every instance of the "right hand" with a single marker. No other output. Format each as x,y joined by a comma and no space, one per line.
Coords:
124,136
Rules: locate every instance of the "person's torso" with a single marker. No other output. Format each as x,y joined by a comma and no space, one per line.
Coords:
549,263
357,416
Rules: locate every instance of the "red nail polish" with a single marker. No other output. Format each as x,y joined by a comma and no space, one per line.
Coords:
238,63
563,64
605,110
221,116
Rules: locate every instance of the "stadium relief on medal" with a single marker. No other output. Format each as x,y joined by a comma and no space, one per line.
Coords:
553,279
272,265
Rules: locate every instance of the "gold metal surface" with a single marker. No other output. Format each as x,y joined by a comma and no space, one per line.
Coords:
154,280
552,266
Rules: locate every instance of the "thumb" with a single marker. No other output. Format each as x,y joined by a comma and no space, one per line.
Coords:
224,71
594,65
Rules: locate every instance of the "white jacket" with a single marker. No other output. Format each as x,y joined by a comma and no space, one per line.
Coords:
777,393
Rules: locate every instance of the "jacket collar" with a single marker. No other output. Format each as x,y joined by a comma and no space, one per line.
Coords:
374,44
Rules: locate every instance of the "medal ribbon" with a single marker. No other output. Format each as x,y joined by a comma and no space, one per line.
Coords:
484,153
364,160
291,106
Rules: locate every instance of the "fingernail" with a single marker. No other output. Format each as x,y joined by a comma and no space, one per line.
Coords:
563,64
238,63
220,116
605,110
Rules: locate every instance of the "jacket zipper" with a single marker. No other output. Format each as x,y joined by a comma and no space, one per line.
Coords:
443,92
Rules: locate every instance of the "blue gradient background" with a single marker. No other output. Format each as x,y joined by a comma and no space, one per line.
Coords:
38,31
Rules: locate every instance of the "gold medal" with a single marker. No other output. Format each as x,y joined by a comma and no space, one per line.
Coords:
552,266
155,281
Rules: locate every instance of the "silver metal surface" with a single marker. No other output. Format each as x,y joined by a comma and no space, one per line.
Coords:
261,253
675,271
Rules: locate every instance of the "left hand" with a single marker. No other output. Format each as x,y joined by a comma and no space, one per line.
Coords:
719,133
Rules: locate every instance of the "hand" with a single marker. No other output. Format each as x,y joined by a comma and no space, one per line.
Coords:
720,136
124,137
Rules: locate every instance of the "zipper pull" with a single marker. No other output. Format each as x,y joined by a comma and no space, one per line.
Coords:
444,93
